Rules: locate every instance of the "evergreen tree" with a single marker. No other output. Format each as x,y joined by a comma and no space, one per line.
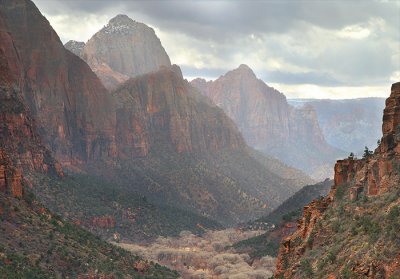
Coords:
367,153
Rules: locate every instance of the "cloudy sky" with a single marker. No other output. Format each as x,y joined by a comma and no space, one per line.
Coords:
307,49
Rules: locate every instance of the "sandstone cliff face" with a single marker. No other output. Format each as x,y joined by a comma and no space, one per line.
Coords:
268,123
21,149
18,130
260,112
162,108
68,101
18,135
360,215
124,48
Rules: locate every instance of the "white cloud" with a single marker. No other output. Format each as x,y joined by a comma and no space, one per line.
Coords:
342,45
311,91
354,32
79,28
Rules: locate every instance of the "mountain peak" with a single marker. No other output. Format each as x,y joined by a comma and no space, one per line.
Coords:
120,24
124,48
243,70
244,67
121,20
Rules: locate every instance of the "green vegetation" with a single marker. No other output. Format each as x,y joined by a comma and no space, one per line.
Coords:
258,246
353,232
34,243
292,208
289,211
306,269
227,185
367,153
135,218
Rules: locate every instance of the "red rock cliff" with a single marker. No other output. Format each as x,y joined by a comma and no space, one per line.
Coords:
18,131
20,146
161,107
67,99
268,122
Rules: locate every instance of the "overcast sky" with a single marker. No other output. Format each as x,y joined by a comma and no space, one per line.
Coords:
317,49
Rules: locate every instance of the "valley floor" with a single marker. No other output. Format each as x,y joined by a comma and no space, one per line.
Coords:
206,256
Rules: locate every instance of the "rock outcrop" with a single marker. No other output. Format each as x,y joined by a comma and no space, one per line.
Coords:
124,48
359,215
268,122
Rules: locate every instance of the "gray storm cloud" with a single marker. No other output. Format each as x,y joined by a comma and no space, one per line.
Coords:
322,43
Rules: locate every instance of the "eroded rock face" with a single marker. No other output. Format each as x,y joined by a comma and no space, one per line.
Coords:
370,178
391,119
260,112
18,130
124,48
161,107
21,149
69,102
268,122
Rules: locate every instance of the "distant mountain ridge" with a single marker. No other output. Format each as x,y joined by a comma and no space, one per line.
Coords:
269,123
349,124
